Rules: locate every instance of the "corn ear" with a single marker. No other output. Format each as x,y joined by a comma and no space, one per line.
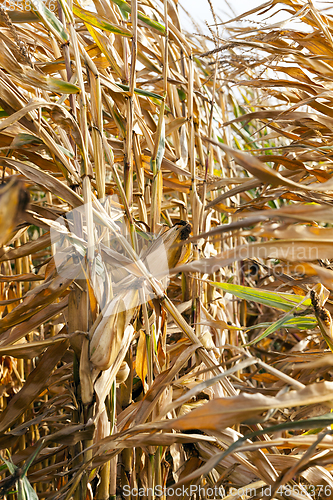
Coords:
87,389
169,242
13,201
106,337
122,373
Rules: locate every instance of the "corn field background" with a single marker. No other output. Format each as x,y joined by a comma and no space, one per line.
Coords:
125,143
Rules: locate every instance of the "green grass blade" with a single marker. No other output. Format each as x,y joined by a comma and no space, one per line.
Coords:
29,461
300,322
99,22
150,22
272,328
282,301
28,493
144,93
50,21
62,87
9,464
124,7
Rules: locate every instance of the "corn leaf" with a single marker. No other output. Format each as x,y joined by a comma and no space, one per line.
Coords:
99,21
50,21
282,301
124,7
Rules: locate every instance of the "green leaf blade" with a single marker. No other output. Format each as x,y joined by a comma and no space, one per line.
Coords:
282,301
125,8
49,20
99,22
